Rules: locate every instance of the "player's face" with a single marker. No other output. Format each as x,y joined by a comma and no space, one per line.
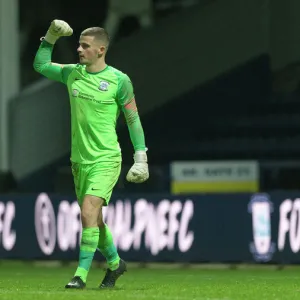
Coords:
89,50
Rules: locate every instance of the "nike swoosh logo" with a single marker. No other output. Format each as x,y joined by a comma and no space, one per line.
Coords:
95,189
77,78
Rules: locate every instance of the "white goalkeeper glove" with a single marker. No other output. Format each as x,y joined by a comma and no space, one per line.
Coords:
139,172
57,29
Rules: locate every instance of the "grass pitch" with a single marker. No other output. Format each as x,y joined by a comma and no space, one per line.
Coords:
19,281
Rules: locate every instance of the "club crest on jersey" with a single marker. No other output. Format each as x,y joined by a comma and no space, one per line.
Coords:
75,92
103,85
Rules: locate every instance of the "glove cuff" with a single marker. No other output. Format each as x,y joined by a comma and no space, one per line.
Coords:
50,38
140,156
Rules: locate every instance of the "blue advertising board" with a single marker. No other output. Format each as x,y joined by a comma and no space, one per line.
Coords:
222,228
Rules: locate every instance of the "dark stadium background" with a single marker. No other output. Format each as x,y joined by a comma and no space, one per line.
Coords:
217,87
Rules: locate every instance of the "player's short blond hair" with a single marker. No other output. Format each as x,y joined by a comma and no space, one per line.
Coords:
99,33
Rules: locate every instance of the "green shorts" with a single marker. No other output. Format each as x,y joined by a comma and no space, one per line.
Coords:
96,179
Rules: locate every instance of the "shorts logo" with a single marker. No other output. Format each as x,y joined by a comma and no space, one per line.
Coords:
75,92
261,209
103,85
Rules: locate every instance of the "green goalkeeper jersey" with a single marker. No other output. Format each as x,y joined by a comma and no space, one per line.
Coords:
96,100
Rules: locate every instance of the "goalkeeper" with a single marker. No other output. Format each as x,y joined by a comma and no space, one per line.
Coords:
97,93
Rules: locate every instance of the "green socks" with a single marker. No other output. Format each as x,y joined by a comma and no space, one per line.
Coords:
107,248
91,239
88,246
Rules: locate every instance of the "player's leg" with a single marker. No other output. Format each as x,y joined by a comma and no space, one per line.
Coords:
90,210
103,177
106,245
116,266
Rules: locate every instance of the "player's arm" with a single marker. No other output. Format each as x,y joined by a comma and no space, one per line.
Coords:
126,99
43,59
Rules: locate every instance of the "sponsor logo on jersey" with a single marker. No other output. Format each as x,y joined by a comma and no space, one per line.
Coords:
103,85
